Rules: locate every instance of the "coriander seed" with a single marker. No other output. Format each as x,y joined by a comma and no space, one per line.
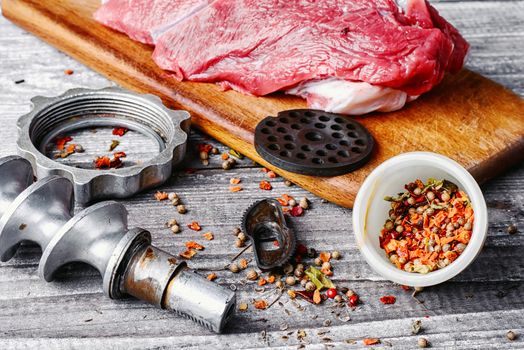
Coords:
290,280
304,203
422,343
310,286
172,195
318,261
336,255
175,228
181,209
239,243
234,268
252,275
511,335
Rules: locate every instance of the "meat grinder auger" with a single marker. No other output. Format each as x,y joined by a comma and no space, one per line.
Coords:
42,212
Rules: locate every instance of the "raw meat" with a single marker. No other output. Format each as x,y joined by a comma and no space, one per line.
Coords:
140,18
346,56
261,46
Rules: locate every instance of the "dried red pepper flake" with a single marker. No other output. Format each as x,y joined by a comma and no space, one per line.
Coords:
234,181
388,299
260,304
102,162
235,188
68,71
212,276
120,155
204,147
276,244
325,256
265,185
271,279
161,196
209,236
283,202
188,254
264,170
224,156
371,341
301,249
194,245
194,226
120,131
406,288
61,141
271,174
296,211
262,281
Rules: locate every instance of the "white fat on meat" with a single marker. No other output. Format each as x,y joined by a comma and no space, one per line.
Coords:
349,97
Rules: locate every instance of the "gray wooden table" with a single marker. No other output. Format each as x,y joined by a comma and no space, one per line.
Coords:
474,310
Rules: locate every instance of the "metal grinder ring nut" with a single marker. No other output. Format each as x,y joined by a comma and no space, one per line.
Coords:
86,108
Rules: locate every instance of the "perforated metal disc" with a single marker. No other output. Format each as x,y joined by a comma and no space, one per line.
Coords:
313,142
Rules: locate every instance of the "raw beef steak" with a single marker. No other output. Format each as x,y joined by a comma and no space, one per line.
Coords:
140,18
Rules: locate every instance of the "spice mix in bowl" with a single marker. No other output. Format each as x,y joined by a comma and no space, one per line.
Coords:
420,219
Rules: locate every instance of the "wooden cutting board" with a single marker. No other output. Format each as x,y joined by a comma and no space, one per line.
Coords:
467,117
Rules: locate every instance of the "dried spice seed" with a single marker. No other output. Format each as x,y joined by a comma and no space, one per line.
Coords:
512,229
68,71
265,185
243,307
212,276
388,299
194,245
252,275
181,209
214,150
242,236
175,229
338,298
290,280
194,226
239,243
288,183
422,343
511,335
120,131
236,231
172,196
234,268
336,255
209,236
260,304
416,327
304,203
291,293
203,155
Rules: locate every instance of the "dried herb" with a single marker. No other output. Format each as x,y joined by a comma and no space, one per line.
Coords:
318,278
114,144
212,276
260,304
235,154
235,188
371,341
61,141
209,236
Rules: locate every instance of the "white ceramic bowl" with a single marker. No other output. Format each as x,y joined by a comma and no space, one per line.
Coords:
371,211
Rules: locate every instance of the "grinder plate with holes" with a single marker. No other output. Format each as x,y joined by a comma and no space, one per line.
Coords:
313,142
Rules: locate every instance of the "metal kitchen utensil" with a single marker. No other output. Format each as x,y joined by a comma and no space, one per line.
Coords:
78,109
313,142
273,241
99,236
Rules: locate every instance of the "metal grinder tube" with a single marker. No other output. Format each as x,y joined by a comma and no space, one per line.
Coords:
99,236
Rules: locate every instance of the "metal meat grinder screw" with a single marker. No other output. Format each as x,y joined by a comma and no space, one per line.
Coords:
99,236
78,109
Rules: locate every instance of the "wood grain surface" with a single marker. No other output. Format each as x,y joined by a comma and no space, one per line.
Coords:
467,117
472,311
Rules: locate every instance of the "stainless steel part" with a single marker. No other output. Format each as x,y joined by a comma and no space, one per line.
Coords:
16,176
84,108
99,236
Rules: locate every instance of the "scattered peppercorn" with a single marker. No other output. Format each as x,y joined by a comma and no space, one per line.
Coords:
304,203
181,209
423,343
252,275
512,229
336,255
234,268
511,335
290,280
